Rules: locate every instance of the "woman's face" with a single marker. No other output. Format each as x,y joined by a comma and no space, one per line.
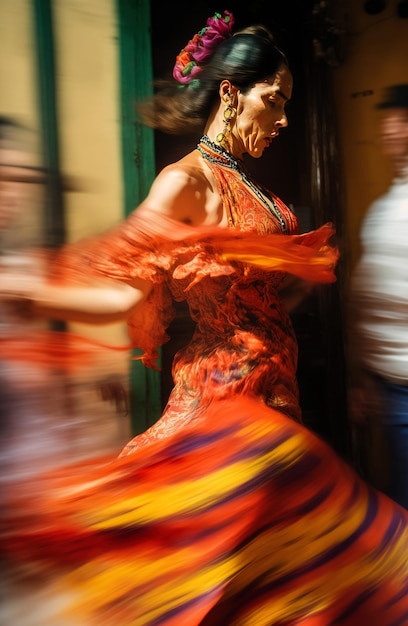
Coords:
394,133
261,113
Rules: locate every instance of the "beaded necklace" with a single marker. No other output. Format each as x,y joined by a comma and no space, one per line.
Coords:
220,156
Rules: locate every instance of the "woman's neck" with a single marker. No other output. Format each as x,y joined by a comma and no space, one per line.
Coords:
216,154
223,153
216,128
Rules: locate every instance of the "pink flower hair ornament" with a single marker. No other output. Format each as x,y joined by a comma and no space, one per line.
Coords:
191,59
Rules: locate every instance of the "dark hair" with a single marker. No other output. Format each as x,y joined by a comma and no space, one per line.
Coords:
249,56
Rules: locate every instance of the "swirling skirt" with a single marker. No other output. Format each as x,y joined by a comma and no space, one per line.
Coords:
242,518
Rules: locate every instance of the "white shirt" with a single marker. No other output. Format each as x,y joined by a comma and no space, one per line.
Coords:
380,286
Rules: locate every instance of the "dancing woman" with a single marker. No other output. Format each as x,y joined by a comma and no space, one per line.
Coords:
227,510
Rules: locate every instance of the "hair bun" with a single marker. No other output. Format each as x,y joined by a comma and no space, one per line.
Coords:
200,48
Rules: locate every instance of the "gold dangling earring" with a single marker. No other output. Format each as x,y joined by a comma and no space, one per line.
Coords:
229,114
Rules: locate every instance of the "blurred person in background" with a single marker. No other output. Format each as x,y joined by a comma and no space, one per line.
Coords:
22,384
40,418
379,294
228,510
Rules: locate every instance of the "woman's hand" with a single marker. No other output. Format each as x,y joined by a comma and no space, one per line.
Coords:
20,276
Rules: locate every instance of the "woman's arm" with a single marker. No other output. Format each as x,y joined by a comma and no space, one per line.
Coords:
96,301
100,302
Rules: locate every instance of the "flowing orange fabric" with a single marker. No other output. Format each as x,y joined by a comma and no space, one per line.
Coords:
242,518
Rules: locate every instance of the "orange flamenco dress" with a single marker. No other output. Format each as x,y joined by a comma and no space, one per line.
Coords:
227,511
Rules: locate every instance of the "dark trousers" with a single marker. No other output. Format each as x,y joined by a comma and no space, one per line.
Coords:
395,426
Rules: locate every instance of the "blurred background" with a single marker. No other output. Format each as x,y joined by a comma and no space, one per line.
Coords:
71,72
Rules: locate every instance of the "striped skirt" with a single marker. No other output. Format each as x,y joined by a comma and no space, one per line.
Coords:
244,518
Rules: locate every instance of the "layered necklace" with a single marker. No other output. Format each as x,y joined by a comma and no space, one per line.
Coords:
222,157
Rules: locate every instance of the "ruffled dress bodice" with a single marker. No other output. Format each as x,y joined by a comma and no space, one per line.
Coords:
244,341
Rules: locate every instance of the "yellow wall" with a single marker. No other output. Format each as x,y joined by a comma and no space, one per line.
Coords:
376,48
87,64
88,113
85,33
18,96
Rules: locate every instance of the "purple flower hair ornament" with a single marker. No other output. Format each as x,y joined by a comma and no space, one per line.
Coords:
191,59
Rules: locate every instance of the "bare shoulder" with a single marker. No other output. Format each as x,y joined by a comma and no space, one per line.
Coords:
186,191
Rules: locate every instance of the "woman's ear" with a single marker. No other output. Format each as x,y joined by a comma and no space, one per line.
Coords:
226,90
